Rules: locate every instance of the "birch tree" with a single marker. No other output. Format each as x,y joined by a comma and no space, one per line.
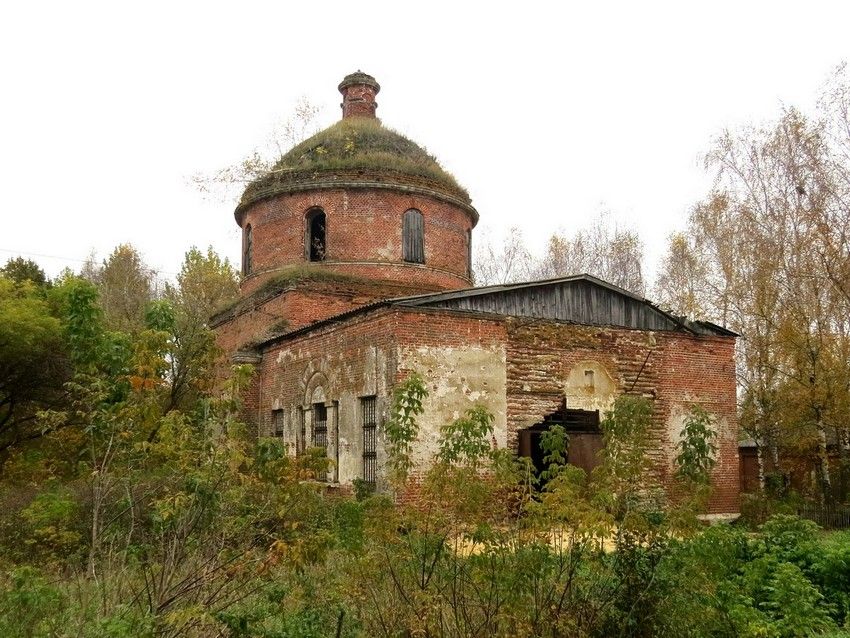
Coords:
766,254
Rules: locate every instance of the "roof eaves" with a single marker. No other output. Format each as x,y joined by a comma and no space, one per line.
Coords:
721,330
324,322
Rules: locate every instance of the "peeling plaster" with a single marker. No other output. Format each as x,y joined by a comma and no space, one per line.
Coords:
589,386
676,422
457,378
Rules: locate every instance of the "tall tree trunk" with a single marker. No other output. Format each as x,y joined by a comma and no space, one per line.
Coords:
823,455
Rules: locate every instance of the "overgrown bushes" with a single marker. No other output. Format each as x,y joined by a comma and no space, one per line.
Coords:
134,515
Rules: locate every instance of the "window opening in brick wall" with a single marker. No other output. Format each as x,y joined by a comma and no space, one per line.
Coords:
369,418
413,237
247,250
302,431
316,239
320,425
277,422
334,471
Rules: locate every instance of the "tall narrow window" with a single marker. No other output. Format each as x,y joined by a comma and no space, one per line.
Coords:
301,444
277,422
247,250
315,247
320,425
369,417
413,237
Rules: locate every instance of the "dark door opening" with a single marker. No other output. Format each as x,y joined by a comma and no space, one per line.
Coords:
530,446
583,446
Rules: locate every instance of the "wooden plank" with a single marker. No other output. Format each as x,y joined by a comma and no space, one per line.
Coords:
578,301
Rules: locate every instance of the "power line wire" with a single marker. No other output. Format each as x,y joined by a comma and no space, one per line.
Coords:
76,259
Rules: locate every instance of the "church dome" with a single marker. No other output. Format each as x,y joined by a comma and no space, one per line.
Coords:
357,151
358,200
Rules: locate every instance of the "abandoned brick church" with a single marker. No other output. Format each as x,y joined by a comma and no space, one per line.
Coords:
357,272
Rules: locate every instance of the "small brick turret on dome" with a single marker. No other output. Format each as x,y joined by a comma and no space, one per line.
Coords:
358,95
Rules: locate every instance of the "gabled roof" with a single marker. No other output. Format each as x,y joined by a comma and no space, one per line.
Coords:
580,299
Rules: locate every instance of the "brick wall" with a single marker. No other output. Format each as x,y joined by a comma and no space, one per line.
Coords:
674,369
302,302
537,367
702,370
340,364
364,236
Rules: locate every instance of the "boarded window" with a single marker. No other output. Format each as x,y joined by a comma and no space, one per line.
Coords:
369,416
315,241
413,237
277,422
247,250
320,425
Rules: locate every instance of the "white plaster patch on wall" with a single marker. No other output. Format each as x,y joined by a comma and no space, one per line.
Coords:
350,437
589,386
679,413
457,378
674,425
725,435
388,251
375,364
318,395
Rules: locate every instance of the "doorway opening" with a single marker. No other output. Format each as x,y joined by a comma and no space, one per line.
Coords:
584,438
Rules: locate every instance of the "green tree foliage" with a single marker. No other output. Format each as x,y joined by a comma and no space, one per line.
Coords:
696,448
205,284
32,364
625,469
402,429
134,515
554,443
20,270
204,530
126,286
467,439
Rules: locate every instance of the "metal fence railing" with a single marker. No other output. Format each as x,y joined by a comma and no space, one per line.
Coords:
827,515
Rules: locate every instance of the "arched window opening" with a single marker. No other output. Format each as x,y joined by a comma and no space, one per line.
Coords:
247,250
316,242
413,237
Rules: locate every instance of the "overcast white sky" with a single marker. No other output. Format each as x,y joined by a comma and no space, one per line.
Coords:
546,112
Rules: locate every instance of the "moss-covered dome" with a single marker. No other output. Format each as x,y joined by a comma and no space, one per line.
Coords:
356,151
360,142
